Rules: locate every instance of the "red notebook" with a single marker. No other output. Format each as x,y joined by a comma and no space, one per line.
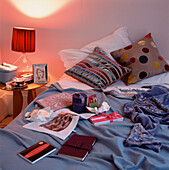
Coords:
77,147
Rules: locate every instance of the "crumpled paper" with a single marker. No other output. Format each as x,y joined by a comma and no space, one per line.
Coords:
103,108
39,115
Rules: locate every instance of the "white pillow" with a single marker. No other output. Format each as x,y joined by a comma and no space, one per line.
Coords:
70,57
118,39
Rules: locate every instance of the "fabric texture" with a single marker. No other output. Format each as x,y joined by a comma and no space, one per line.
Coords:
97,70
142,138
57,101
108,153
116,40
142,58
150,109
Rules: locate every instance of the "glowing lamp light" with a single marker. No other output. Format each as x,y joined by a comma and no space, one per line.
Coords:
23,40
38,8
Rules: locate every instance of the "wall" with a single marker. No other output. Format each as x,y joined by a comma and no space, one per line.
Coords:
79,22
0,30
82,21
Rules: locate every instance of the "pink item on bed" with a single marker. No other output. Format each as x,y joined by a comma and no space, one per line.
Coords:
57,101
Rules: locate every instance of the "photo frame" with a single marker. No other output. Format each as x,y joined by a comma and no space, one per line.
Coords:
40,73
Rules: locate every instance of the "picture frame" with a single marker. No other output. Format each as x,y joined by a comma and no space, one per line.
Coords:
40,73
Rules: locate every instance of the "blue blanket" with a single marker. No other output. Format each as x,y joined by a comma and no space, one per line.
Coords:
108,153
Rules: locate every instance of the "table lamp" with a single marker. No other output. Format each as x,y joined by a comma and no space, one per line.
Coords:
23,40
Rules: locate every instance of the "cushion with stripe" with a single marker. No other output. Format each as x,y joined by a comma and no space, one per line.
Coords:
97,70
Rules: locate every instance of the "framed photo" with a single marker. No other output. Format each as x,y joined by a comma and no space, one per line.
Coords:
40,73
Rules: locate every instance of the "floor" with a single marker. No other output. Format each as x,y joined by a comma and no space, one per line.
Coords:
6,121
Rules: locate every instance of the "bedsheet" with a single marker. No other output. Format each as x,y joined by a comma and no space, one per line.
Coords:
108,153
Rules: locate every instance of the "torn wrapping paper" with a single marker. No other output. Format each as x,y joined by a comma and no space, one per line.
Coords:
63,122
103,108
39,115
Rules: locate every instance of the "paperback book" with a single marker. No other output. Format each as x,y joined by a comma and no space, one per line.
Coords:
37,151
77,147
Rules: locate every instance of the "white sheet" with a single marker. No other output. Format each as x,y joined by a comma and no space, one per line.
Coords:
69,82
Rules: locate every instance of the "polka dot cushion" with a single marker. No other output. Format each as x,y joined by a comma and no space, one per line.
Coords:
142,58
97,70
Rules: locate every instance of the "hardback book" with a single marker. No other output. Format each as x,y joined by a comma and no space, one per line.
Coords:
37,151
77,147
104,118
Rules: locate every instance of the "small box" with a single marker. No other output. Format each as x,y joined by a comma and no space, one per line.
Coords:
7,72
6,76
27,76
104,118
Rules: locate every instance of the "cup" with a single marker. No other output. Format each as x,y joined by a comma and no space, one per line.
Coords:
19,82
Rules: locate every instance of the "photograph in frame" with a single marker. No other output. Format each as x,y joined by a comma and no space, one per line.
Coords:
40,73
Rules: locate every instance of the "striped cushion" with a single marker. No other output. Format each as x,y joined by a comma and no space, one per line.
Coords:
97,70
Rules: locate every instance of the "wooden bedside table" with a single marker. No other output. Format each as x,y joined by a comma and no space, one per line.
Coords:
18,98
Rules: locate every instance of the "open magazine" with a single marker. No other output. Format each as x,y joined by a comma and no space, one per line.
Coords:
62,123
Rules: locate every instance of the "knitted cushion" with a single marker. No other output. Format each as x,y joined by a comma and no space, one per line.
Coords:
97,70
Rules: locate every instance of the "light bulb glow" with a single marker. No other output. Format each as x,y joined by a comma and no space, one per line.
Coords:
38,8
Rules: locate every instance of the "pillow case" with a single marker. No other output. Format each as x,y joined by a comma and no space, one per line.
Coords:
118,39
72,56
97,70
142,58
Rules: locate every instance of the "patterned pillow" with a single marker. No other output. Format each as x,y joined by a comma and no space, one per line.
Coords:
142,58
97,70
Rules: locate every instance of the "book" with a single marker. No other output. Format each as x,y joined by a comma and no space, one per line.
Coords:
77,147
36,152
104,118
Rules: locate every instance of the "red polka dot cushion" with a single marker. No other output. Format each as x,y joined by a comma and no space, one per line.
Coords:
142,58
97,70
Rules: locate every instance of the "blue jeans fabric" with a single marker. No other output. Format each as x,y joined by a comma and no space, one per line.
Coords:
149,109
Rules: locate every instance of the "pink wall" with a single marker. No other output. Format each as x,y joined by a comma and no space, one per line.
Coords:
82,21
0,30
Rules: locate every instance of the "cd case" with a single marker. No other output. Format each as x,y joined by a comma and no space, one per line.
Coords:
37,151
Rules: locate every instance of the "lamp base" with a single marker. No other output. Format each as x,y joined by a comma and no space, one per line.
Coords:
24,65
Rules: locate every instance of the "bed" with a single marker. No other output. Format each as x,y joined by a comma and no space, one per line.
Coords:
115,148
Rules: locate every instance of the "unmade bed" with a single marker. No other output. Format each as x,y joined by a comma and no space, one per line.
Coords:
140,141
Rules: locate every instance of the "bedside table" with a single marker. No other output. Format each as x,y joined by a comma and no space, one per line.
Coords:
18,98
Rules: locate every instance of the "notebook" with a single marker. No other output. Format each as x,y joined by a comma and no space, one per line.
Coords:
37,151
77,147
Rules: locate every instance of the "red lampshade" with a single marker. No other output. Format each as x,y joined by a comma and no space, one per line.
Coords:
23,39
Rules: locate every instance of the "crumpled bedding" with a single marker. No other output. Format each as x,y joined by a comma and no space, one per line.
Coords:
148,110
109,152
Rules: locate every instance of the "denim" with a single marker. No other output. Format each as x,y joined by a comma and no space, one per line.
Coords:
149,109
